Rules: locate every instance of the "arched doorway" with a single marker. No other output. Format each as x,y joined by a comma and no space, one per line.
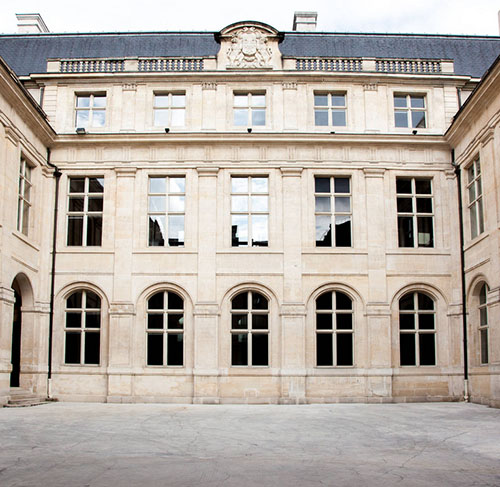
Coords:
16,337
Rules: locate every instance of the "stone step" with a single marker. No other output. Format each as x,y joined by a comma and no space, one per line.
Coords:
21,398
25,403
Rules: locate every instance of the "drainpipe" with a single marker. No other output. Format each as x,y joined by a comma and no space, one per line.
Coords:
57,175
462,269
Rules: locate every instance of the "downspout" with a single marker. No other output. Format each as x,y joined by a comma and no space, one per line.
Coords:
57,175
462,269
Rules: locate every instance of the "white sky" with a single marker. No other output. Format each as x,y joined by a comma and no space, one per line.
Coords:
415,16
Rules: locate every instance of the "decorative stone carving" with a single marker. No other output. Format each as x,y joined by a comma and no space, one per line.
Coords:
249,49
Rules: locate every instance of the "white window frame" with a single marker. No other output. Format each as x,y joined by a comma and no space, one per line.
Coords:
409,109
250,107
475,198
91,109
330,108
169,108
483,325
24,196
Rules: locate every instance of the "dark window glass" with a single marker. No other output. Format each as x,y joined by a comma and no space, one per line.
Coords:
344,321
175,301
407,321
239,349
75,230
175,349
77,185
323,321
343,301
403,186
484,346
155,321
259,349
73,320
156,301
73,347
75,300
324,301
342,231
407,302
425,302
322,185
344,349
324,349
240,301
93,300
405,231
175,321
425,232
341,185
93,319
92,347
259,322
427,349
155,349
239,322
407,349
258,301
423,186
405,205
426,321
94,230
424,205
156,230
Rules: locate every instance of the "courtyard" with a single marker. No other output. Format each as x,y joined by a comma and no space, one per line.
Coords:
91,445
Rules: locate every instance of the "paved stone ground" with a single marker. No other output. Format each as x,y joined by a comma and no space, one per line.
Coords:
91,445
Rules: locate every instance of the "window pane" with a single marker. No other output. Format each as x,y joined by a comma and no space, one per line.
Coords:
406,321
403,186
155,321
484,346
259,203
418,119
342,204
98,118
482,294
156,301
322,203
425,302
405,231
175,349
259,185
95,204
338,100
99,101
178,118
156,230
75,300
83,101
472,193
157,203
157,185
343,231
176,203
92,319
96,185
175,301
473,221
260,351
424,205
175,321
323,231
75,230
321,100
407,302
426,321
483,316
239,230
343,301
161,101
407,349
76,203
241,117
400,119
155,349
239,185
324,349
259,100
423,186
322,185
92,348
405,205
324,301
417,101
425,232
321,118
76,185
240,100
239,349
427,349
258,301
344,349
73,319
259,322
258,117
73,348
177,185
324,321
82,119
400,101
344,321
338,118
239,322
240,301
239,203
260,230
161,118
94,230
480,215
341,185
178,100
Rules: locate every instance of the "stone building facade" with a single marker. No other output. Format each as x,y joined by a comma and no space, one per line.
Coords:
247,216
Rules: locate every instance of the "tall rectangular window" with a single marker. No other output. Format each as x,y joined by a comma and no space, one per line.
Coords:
85,208
475,190
166,208
24,196
409,111
90,110
249,211
333,211
169,109
415,212
249,109
330,109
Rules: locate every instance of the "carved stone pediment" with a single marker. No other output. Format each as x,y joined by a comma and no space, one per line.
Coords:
249,45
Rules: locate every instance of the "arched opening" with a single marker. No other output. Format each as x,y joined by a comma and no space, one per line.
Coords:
16,336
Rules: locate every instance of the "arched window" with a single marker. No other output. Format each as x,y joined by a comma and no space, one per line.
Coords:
417,330
250,329
334,329
483,323
83,328
165,329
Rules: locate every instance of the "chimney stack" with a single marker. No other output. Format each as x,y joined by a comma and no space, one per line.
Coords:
30,24
305,21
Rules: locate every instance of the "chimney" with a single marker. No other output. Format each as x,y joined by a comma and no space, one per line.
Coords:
305,21
30,24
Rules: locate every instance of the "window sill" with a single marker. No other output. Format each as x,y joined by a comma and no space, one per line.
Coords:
25,239
476,240
84,250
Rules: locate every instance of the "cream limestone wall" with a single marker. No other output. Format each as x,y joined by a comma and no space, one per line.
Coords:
24,258
476,133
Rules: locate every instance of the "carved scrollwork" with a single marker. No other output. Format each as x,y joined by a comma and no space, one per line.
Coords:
249,49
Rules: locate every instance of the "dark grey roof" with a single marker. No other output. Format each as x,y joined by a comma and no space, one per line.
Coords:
28,53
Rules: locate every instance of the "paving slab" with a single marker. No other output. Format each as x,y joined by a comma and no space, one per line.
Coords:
119,445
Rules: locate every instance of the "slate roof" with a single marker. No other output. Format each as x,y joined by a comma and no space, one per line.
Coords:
28,53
